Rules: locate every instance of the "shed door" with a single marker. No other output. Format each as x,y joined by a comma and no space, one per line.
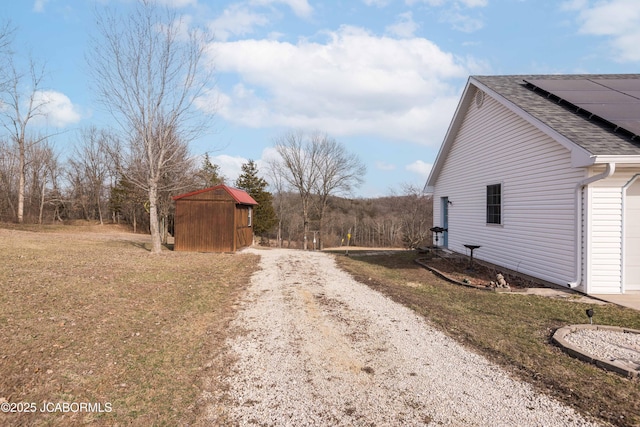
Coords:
632,238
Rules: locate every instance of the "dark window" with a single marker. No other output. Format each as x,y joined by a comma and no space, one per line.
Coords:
494,203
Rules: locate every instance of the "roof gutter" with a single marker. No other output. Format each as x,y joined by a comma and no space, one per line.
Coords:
610,169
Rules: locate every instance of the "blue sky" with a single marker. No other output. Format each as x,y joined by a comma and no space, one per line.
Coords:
381,76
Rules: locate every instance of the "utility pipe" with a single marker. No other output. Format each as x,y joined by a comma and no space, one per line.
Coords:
610,169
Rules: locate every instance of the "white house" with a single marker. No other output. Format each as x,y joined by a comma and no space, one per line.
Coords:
543,172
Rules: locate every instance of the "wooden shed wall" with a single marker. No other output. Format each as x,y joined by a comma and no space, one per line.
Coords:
243,232
211,222
204,226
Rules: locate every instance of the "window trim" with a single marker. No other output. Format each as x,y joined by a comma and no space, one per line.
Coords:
250,216
500,204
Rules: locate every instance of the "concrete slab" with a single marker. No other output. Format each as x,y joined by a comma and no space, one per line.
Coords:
630,300
564,293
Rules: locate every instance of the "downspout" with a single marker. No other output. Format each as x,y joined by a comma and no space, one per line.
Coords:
611,168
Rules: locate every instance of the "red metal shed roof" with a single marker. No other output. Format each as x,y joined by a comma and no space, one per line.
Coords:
240,196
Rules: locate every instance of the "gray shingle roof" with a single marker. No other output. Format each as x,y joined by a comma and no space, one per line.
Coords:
588,134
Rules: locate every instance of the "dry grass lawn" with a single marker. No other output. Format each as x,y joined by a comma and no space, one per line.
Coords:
512,330
87,314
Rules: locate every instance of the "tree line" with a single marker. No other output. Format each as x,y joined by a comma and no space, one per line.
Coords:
88,186
150,74
314,178
392,221
148,71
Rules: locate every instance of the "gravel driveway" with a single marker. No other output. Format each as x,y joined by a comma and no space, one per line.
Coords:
318,348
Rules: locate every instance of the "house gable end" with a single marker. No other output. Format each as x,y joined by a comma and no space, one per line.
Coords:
495,148
520,174
579,156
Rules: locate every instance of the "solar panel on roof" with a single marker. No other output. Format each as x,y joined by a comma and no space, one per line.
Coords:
552,85
613,112
595,96
613,100
622,85
632,126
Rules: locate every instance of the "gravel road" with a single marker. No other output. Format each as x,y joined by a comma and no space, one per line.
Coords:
317,348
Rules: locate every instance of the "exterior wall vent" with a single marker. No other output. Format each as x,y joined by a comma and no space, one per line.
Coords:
479,98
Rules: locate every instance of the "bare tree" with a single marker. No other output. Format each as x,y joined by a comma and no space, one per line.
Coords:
53,195
22,104
338,173
7,32
148,73
91,167
27,157
278,186
416,217
7,159
43,170
298,166
317,167
8,178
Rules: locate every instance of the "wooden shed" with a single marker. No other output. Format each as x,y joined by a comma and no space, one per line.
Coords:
215,219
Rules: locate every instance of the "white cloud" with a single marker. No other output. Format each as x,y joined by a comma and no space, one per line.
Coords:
178,3
230,166
236,20
574,4
269,154
455,13
421,168
462,22
38,5
617,19
57,108
384,166
429,2
475,3
457,4
354,83
404,27
378,3
301,8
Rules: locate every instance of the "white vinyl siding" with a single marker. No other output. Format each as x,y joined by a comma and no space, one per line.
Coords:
631,227
605,223
537,232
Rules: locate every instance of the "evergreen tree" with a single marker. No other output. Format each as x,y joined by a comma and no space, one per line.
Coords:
264,217
209,174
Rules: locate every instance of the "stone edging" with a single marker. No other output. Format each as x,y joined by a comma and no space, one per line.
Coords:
421,261
617,366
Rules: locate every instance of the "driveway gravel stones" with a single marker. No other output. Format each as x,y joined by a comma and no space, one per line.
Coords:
317,348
